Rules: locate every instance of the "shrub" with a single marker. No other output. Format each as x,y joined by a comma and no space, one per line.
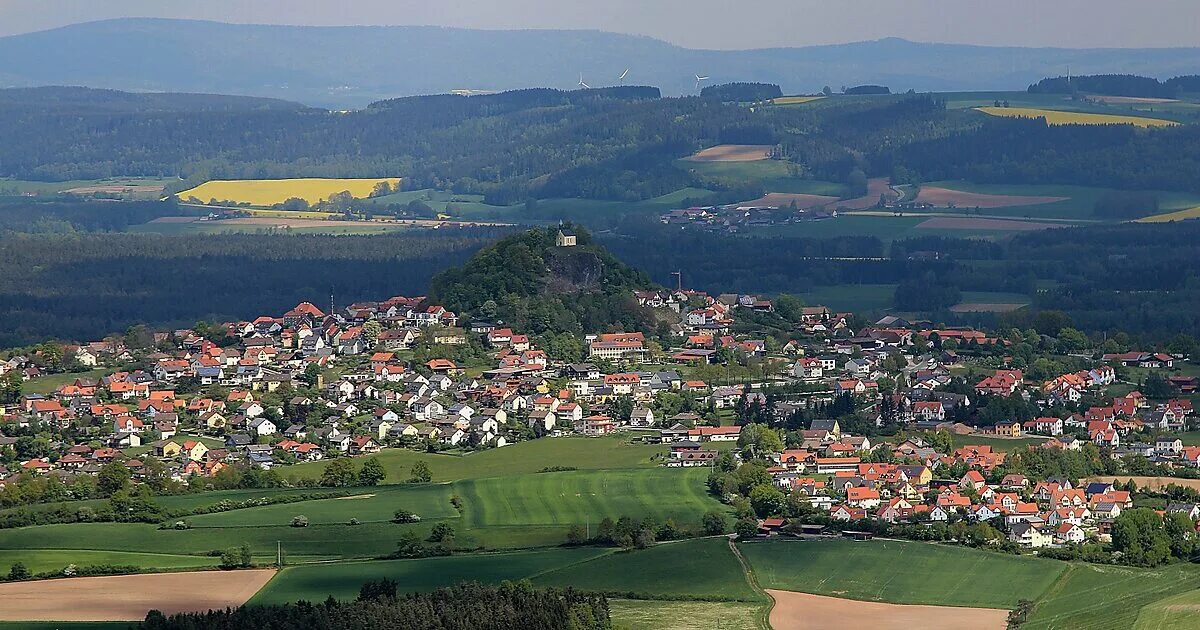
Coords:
19,572
404,516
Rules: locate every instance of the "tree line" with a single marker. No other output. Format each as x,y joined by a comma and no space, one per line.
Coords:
467,606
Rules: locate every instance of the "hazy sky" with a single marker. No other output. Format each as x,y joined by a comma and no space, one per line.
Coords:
694,23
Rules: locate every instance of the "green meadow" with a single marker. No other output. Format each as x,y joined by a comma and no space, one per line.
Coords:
1103,597
524,457
343,580
367,505
702,568
565,498
901,572
637,614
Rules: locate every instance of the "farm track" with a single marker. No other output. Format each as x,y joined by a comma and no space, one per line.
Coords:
764,614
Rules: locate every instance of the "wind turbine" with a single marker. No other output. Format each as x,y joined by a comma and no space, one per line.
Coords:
698,80
621,79
582,84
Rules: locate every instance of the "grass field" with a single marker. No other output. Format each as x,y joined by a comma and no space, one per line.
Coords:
1078,205
370,506
51,382
638,614
885,228
510,512
1055,117
703,568
852,297
997,444
141,187
46,560
1104,597
1179,110
901,572
565,498
266,192
1180,612
343,580
524,457
255,226
772,174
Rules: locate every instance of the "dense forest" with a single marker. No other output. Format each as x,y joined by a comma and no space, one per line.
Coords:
40,215
70,283
1142,279
469,606
1117,85
612,143
84,286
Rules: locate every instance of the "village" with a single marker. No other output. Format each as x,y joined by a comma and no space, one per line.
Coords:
308,385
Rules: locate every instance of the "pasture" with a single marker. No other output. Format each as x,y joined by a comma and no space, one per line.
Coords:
566,498
47,560
900,572
1111,597
267,192
521,458
984,225
997,443
784,200
1056,117
51,382
852,297
374,505
1180,612
1075,202
636,614
1176,110
342,580
773,175
945,196
702,568
113,187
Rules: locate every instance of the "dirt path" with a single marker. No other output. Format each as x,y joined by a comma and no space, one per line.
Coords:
764,615
128,597
802,611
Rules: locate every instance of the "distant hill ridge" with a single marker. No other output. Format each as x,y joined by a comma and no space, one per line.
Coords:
380,62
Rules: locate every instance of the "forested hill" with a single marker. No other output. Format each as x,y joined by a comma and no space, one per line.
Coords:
373,63
81,100
530,283
613,143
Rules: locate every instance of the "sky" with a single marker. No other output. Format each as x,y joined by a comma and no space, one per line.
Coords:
714,24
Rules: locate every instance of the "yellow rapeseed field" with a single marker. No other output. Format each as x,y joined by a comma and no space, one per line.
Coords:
795,100
1179,215
1054,117
266,192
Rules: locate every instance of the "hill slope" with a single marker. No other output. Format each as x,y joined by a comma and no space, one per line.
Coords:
371,63
531,284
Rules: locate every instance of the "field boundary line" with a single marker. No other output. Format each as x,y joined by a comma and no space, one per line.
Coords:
764,614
